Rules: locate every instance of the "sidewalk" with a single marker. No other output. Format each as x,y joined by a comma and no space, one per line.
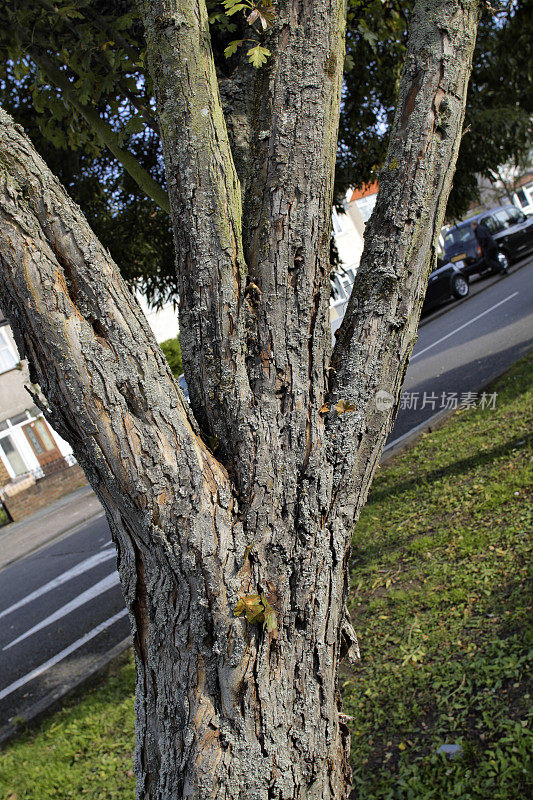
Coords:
22,538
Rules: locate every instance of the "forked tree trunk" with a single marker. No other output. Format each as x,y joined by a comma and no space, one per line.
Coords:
255,490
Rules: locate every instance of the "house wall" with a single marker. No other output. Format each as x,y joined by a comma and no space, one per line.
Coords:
348,231
523,194
16,410
13,396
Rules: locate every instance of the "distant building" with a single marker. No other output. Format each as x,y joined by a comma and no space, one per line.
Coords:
365,199
37,466
523,193
27,443
348,230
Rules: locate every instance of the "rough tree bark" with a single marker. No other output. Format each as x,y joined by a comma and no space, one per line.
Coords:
254,489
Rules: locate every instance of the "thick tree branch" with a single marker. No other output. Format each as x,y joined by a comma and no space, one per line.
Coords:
88,344
205,199
237,97
289,200
379,330
290,126
109,391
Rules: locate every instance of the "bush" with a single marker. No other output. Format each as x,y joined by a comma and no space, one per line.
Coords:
172,350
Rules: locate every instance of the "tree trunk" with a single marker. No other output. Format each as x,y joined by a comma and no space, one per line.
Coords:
257,492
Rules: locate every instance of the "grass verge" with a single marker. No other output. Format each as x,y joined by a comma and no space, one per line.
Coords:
440,601
85,750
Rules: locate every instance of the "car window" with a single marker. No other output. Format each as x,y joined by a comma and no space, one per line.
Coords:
458,235
504,217
494,224
507,217
515,216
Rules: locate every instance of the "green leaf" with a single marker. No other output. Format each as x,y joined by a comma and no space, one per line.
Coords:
368,35
232,9
255,614
349,63
233,47
249,605
135,124
270,621
258,55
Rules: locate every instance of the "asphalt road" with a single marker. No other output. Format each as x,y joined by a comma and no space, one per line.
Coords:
464,348
61,607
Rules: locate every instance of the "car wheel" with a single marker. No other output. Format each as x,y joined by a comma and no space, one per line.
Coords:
460,287
503,258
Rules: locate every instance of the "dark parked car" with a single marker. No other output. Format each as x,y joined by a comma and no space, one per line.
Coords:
511,229
445,282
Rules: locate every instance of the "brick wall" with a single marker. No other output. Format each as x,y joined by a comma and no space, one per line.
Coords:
4,474
45,492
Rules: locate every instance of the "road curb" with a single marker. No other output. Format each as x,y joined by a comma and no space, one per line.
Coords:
433,423
99,668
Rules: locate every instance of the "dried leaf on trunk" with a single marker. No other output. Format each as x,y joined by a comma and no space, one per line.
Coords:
343,407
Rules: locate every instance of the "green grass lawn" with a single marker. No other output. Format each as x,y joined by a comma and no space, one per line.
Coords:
441,604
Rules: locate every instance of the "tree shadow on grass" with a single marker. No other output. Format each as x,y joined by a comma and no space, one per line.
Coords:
454,469
365,553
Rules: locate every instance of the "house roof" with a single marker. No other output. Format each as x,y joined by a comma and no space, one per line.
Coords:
523,180
365,190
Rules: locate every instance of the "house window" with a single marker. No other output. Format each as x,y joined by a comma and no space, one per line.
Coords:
7,358
337,227
522,199
38,436
13,456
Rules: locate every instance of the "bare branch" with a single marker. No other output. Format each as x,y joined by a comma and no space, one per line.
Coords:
205,199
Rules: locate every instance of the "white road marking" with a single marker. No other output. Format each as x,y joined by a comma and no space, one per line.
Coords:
62,654
79,569
460,328
98,588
